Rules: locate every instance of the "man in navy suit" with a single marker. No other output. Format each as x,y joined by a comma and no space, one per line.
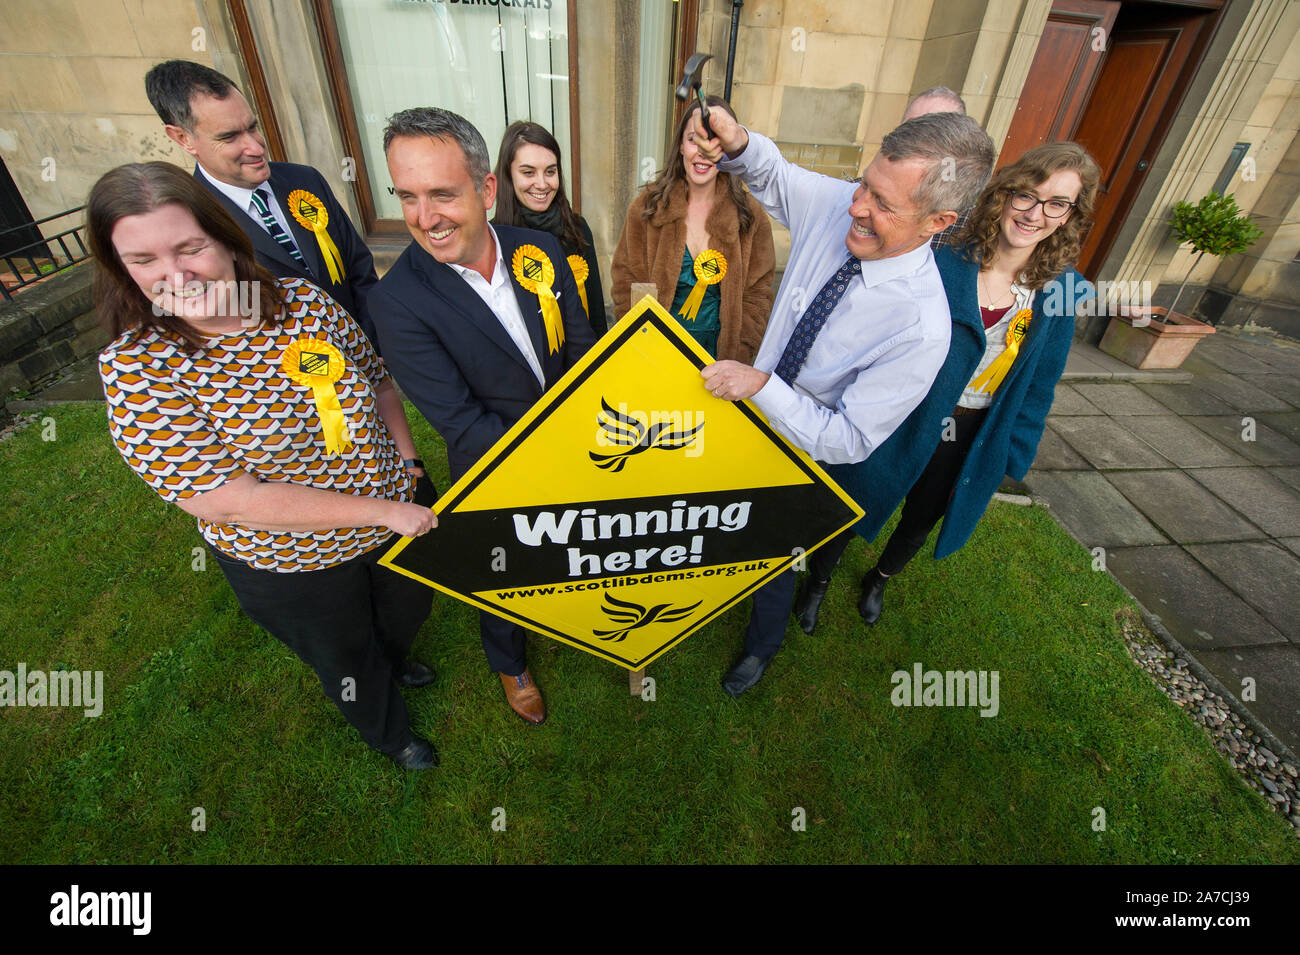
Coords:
468,343
203,111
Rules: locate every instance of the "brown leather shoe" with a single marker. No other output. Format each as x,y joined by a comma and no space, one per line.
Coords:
524,697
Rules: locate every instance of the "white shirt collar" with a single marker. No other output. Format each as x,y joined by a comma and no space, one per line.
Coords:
237,194
498,271
878,271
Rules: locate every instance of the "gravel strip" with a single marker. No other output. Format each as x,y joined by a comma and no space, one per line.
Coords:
18,424
1273,778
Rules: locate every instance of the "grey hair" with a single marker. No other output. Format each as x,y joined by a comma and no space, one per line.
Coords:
960,154
939,92
443,124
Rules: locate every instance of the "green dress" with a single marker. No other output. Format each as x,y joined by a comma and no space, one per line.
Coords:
707,324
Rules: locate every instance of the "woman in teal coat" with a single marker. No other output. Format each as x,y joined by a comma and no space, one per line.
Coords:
1013,295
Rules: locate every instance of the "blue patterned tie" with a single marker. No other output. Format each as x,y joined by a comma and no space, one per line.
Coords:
810,325
273,227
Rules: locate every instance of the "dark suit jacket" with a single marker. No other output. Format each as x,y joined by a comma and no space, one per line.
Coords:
358,265
453,358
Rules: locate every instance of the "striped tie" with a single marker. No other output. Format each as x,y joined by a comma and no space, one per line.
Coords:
264,212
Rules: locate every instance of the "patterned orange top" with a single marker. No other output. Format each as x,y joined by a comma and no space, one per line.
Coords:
187,422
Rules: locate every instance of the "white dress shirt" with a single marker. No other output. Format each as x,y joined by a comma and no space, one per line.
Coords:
882,346
499,296
244,199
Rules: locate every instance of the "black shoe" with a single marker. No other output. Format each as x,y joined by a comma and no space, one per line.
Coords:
809,602
872,601
747,672
414,674
418,754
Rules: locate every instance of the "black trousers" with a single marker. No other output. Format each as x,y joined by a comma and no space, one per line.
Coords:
768,618
504,643
925,504
353,624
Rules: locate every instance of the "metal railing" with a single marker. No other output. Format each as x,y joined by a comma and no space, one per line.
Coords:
40,259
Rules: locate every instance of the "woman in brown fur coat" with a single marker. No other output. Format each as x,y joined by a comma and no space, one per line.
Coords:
688,211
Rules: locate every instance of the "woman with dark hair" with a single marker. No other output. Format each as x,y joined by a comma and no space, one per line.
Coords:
258,405
530,194
705,244
1013,294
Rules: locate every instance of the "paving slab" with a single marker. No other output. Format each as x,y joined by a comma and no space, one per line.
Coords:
1269,447
1055,455
1284,385
1092,510
1186,399
1288,476
1081,364
1190,601
1068,401
1181,508
1199,365
1287,423
1283,357
1106,443
1088,363
1120,398
1266,502
1275,672
1241,395
1230,358
1182,442
1266,575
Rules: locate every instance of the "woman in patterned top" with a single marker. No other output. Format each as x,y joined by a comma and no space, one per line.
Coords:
257,405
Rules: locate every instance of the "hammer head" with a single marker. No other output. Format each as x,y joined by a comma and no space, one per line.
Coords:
692,75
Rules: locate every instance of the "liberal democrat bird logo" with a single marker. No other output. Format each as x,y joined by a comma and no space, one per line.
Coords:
628,432
632,616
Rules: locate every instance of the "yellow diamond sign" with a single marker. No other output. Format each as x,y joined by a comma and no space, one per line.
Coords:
629,507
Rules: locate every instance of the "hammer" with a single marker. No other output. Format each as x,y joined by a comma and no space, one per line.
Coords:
691,80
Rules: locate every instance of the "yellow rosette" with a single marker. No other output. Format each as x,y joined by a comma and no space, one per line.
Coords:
311,214
992,376
710,266
317,365
534,271
580,272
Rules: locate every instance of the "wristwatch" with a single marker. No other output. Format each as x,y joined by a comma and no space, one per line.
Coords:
409,463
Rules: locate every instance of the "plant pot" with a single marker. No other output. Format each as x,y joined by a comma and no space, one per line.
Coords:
1154,338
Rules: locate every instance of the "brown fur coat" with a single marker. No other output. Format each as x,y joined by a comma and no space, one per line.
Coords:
650,250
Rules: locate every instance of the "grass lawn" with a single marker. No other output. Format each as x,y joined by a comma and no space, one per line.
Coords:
203,709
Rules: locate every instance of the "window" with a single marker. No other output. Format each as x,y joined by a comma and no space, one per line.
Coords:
491,61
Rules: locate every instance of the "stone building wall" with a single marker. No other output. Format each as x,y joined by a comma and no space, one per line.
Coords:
72,105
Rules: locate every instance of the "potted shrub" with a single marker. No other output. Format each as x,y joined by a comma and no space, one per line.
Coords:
1156,337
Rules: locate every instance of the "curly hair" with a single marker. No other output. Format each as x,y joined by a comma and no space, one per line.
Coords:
140,188
1058,251
518,134
660,190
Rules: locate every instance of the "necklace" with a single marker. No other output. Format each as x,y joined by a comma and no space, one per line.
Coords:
993,303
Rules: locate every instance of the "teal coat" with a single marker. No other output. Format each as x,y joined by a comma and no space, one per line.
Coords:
1008,438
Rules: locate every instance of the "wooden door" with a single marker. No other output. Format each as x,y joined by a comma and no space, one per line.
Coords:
1068,59
1123,125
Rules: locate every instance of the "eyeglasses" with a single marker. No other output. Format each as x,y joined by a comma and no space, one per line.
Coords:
1052,208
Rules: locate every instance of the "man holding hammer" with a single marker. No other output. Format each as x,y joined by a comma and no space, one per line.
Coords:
860,326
